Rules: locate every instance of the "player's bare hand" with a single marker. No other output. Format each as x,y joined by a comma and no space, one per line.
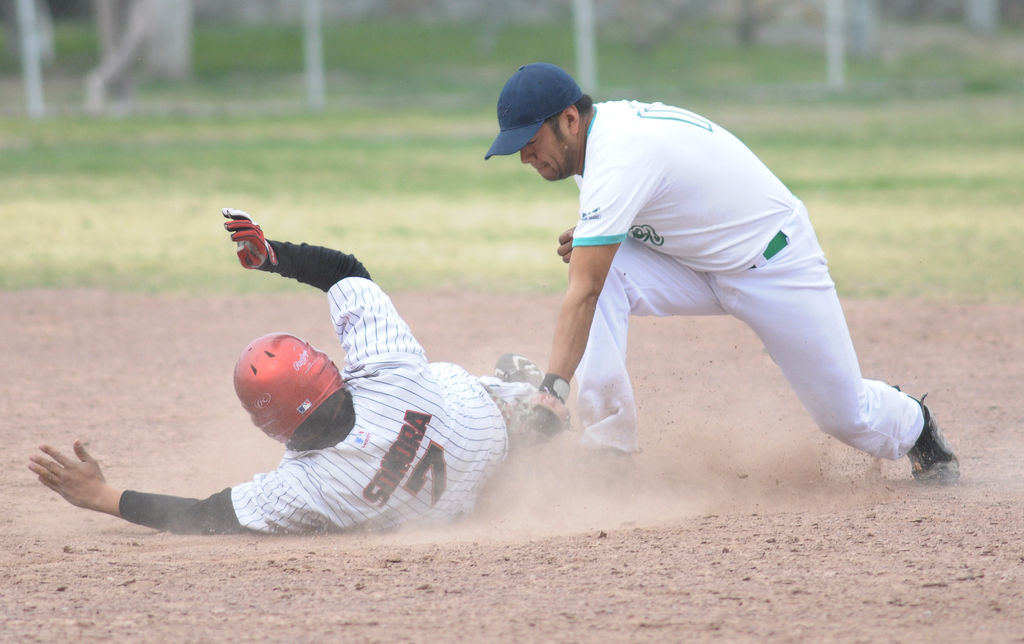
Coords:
79,480
565,244
252,247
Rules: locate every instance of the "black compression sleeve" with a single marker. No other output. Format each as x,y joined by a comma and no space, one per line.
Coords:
314,265
214,515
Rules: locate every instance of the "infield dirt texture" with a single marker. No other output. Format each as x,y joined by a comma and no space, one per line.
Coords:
738,522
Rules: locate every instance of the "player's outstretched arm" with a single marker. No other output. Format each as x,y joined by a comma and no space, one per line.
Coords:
79,480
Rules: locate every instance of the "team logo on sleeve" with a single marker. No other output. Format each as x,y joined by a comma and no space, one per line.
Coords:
646,233
591,215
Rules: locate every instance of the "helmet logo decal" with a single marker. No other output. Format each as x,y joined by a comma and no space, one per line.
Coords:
262,401
304,407
302,360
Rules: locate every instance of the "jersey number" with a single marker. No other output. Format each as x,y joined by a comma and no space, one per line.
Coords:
669,113
395,463
433,464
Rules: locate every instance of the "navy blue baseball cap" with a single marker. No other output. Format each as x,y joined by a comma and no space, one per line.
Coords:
533,94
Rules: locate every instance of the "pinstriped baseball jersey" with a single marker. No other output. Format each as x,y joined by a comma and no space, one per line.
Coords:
426,436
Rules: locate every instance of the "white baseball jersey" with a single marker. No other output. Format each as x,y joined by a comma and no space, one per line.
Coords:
426,436
680,184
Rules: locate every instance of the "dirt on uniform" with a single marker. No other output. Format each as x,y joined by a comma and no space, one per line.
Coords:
739,520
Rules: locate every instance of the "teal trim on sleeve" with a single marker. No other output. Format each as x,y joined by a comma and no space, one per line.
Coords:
590,126
605,240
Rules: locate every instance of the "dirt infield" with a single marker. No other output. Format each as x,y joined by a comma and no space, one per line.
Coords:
738,522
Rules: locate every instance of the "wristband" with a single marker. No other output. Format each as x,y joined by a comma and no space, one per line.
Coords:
555,385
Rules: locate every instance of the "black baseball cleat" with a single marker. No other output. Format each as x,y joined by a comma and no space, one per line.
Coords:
931,458
512,367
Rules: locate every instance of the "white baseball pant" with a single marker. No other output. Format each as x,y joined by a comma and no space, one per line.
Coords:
789,301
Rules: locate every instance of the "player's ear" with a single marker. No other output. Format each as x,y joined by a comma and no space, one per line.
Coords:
572,119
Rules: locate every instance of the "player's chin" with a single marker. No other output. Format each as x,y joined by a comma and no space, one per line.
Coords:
549,173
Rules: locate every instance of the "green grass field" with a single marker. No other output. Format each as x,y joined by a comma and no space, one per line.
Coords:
914,193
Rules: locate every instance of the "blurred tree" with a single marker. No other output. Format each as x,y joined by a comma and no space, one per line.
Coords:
157,33
863,26
496,16
655,20
982,15
170,46
749,18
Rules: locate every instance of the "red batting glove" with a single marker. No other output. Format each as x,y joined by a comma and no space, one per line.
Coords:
253,249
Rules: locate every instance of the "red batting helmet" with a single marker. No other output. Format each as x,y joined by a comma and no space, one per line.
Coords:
280,380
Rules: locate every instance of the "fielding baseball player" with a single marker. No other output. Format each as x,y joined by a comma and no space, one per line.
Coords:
388,440
678,217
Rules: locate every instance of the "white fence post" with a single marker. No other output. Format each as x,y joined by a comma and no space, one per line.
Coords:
835,44
31,66
314,55
586,44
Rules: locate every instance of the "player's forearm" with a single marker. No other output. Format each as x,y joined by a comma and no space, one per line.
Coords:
214,515
571,332
588,269
314,265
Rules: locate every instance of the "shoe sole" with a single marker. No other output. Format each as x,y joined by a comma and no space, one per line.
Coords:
946,473
512,367
941,472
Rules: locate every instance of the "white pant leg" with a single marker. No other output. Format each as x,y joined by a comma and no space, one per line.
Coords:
640,282
604,402
791,304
